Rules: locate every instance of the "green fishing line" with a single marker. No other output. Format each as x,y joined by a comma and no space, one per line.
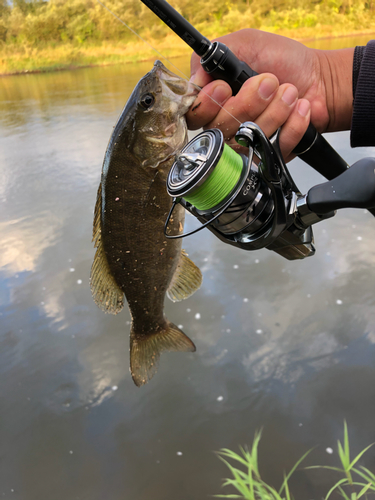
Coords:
220,183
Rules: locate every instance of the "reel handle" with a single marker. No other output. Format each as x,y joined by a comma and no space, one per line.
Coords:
354,188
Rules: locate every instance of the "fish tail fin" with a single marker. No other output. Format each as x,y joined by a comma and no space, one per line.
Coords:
145,350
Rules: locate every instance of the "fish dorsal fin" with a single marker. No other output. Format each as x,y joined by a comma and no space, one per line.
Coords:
105,291
186,279
145,350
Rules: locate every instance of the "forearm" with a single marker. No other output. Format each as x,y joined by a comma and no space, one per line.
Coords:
363,122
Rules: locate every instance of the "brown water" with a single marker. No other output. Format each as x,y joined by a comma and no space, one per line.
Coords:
284,346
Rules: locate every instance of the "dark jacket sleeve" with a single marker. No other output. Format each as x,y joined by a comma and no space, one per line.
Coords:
363,121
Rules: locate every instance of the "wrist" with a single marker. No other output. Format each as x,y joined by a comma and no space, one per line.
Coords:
337,74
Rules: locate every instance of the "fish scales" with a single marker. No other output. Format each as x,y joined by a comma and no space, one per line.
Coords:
133,255
137,257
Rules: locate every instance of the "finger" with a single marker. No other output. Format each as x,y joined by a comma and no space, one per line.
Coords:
294,128
197,74
208,104
279,109
194,63
252,99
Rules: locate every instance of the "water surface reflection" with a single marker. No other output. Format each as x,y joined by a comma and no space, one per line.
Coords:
287,346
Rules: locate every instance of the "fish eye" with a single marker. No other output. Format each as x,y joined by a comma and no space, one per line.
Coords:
147,100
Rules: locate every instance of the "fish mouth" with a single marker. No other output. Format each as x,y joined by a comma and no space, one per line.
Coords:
179,86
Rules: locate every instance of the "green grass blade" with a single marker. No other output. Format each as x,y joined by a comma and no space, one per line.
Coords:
346,442
335,486
286,479
344,495
325,467
367,475
231,454
239,481
250,479
231,467
228,496
343,458
364,490
229,482
275,494
254,451
286,485
239,484
233,470
355,460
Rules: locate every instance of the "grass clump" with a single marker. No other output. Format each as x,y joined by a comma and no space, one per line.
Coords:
357,482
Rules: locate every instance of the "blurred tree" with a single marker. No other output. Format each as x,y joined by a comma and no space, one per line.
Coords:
84,21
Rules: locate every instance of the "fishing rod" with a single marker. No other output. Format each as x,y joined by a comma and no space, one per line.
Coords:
221,64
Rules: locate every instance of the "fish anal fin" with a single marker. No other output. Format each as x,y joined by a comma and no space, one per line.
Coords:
145,350
186,279
96,229
105,291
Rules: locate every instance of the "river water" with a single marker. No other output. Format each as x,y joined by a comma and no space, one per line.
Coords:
287,347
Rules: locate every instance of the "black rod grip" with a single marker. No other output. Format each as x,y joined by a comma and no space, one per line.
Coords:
221,64
314,150
355,188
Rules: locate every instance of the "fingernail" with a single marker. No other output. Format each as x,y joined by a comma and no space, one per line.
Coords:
192,78
303,107
221,93
290,95
267,87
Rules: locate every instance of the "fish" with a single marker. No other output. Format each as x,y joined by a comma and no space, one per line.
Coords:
134,260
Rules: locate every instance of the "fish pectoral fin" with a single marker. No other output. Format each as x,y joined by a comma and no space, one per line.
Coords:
186,279
145,350
105,291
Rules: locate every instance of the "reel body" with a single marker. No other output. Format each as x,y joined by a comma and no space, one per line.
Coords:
249,201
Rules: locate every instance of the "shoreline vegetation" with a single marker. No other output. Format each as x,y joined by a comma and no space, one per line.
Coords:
41,36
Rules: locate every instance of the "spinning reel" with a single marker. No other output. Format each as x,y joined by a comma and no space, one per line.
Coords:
252,201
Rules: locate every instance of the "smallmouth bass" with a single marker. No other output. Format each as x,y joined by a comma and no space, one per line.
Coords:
133,257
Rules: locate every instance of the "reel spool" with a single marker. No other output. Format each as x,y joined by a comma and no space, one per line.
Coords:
206,171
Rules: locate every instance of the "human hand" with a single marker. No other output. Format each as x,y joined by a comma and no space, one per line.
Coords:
319,81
